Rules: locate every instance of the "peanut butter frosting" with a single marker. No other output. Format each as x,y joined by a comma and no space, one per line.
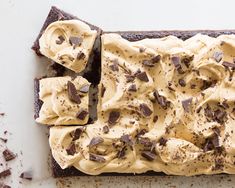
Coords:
69,43
165,105
65,101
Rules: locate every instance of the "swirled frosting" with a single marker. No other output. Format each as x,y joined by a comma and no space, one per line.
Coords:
57,107
68,43
165,105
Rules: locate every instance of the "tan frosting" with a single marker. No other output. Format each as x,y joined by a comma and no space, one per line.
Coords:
181,141
64,53
57,108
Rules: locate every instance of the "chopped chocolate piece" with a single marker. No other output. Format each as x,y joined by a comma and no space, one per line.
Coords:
105,129
121,153
155,118
5,173
218,164
2,114
176,62
2,185
103,89
199,109
228,64
8,155
193,86
76,41
71,150
96,158
26,175
141,49
85,88
82,114
161,100
148,155
186,104
81,55
225,104
77,133
60,40
127,139
162,141
146,111
152,62
95,141
208,112
142,76
3,139
186,60
113,117
146,142
129,78
218,56
141,132
72,92
182,83
206,84
132,88
220,116
114,66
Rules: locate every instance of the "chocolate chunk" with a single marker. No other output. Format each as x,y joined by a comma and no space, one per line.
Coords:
80,56
5,173
218,164
129,78
82,114
103,89
141,132
218,56
208,112
220,116
85,88
212,143
162,141
71,150
176,62
72,93
148,155
146,142
3,139
121,153
142,76
60,40
2,114
132,88
187,60
127,139
8,155
193,86
152,62
155,119
105,129
186,104
75,41
114,66
182,82
95,141
145,110
206,84
26,175
161,100
228,64
96,158
113,117
141,49
225,104
77,133
2,185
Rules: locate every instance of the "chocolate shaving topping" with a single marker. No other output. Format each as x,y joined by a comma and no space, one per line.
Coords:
85,88
129,78
26,175
71,150
121,153
148,155
8,155
186,104
82,114
127,139
152,62
75,41
182,83
60,40
145,110
142,76
228,64
218,56
113,117
72,93
96,158
103,89
80,56
77,133
176,62
132,88
162,141
95,141
5,173
161,100
105,129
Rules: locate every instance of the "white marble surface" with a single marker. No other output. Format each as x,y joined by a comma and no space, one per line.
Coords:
20,24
